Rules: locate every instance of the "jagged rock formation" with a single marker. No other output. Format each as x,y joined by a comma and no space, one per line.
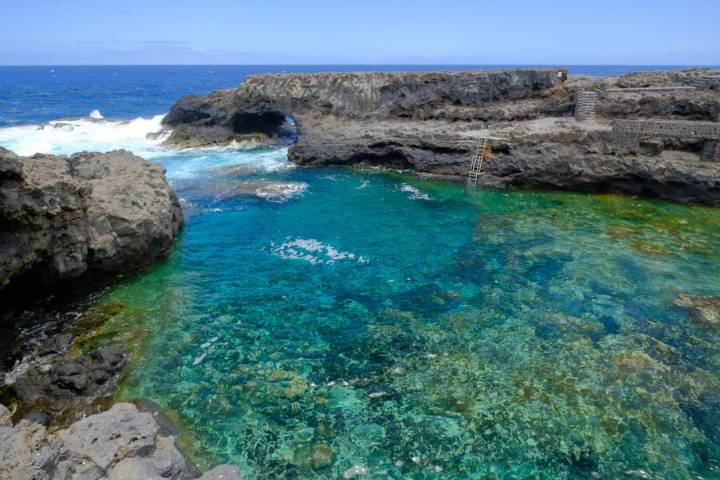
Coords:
88,215
428,122
261,104
64,389
119,444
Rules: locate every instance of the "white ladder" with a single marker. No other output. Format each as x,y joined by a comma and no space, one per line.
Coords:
478,158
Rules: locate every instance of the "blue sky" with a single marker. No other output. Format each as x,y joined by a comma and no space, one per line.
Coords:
650,32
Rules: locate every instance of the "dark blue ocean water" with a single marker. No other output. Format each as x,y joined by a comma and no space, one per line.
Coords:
335,323
39,94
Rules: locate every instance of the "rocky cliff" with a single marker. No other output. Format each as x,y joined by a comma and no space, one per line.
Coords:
428,123
86,216
262,104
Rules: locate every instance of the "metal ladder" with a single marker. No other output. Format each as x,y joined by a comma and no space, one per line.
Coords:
478,158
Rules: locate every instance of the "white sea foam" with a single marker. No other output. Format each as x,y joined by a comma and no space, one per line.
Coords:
144,137
190,164
313,251
280,192
140,136
415,194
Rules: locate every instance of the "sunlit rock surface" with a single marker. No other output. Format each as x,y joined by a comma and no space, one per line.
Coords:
120,444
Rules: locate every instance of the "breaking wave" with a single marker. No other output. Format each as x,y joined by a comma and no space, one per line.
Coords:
198,175
142,136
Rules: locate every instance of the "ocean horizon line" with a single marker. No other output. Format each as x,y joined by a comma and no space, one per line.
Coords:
643,65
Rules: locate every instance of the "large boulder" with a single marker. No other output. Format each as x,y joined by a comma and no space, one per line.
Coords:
87,215
120,444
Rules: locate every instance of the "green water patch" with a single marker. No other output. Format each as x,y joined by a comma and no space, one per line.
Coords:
381,326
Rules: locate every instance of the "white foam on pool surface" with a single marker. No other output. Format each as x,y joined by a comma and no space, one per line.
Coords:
313,251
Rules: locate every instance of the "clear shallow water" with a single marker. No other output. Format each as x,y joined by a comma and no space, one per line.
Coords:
336,323
417,331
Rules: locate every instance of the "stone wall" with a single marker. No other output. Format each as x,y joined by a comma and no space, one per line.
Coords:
626,134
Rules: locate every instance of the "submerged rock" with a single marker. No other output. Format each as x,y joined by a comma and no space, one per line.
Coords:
88,215
119,444
322,455
704,311
222,472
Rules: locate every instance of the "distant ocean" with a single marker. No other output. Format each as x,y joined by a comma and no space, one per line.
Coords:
42,93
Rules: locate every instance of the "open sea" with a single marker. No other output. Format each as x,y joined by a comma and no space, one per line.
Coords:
340,323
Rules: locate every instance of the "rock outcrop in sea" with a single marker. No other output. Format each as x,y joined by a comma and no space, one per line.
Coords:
429,122
87,216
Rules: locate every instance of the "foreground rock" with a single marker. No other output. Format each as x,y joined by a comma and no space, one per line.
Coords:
429,122
90,215
63,389
119,444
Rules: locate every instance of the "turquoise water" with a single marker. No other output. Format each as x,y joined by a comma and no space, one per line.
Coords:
345,324
372,325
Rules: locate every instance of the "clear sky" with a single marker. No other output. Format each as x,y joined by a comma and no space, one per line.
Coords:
647,32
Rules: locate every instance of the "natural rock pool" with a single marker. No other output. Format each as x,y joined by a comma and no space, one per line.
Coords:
345,324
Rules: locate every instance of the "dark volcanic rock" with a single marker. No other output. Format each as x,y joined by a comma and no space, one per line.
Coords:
66,389
89,215
261,104
429,123
675,180
88,373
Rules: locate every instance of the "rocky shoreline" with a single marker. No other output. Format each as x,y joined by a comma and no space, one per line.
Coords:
428,123
79,221
119,444
75,223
